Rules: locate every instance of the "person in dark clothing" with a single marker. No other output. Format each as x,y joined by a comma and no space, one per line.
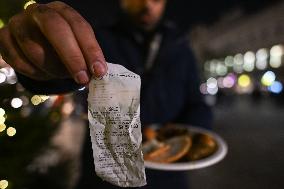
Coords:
141,41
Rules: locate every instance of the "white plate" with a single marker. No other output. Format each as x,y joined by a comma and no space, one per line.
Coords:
205,162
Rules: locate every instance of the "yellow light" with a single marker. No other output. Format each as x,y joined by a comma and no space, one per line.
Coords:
43,97
1,24
3,184
244,80
2,112
2,127
11,131
28,3
36,100
2,119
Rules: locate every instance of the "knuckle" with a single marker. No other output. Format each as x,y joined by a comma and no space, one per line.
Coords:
42,9
95,51
75,59
79,21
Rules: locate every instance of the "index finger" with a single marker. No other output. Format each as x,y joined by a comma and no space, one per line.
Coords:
85,37
61,37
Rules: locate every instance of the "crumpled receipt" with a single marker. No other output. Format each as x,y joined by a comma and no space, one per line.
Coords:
115,128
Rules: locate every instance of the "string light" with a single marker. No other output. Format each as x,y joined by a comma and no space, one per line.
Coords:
37,99
2,112
2,127
3,184
2,119
11,131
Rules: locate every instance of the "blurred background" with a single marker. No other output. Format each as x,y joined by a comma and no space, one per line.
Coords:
239,45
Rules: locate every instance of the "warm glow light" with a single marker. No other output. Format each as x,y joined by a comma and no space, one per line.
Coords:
2,112
2,127
43,97
28,3
268,78
36,100
11,131
276,50
244,80
1,23
276,53
3,184
16,103
2,119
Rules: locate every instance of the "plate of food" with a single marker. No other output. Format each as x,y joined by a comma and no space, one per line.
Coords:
181,147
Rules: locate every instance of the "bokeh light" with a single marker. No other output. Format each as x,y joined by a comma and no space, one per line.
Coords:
203,88
244,80
221,69
2,127
276,87
67,108
3,184
276,53
11,131
211,83
212,91
268,78
16,102
37,99
238,63
249,59
229,61
2,119
2,112
261,59
229,81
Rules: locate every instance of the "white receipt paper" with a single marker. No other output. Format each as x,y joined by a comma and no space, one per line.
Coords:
115,128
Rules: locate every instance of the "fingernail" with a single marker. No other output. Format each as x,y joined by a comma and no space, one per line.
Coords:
82,77
99,69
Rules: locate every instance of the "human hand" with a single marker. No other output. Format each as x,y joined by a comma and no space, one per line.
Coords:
52,41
